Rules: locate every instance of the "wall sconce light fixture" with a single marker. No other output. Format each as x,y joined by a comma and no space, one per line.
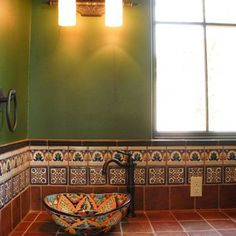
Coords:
113,10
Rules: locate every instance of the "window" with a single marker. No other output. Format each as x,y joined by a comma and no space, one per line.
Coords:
195,66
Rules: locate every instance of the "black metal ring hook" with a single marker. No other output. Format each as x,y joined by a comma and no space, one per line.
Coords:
11,96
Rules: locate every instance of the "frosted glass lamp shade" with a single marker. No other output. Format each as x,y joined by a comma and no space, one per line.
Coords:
113,13
67,12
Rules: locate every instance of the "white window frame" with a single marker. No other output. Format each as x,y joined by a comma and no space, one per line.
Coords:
185,135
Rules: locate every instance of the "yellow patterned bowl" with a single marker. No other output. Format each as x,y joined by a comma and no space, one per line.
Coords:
87,214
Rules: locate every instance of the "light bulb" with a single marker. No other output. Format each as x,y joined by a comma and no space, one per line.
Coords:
114,13
67,12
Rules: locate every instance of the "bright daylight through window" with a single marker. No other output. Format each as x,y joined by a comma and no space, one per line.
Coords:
195,65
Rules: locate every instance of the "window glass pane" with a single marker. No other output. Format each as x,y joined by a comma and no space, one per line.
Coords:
179,10
221,49
220,11
180,85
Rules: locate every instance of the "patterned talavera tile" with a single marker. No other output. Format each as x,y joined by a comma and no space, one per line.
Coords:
140,176
213,175
230,155
114,154
58,175
59,156
2,195
139,154
139,157
1,168
5,155
39,157
230,174
78,175
195,155
19,151
157,156
96,177
176,175
117,176
39,175
77,158
27,177
8,191
118,156
176,155
16,185
157,175
22,180
136,148
194,171
96,157
214,155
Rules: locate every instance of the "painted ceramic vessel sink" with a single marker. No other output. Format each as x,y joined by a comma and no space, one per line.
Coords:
87,214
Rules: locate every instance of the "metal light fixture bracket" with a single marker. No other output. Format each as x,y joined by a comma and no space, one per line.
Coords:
92,7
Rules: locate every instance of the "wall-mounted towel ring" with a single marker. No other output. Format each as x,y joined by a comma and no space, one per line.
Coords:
8,100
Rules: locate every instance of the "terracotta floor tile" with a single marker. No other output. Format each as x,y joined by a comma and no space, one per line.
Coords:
227,232
44,216
140,216
213,215
222,224
22,227
231,213
112,234
15,234
138,234
40,234
31,216
166,226
204,233
43,227
131,227
160,216
164,223
116,229
187,215
195,225
171,234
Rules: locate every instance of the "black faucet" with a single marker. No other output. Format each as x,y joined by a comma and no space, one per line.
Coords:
129,166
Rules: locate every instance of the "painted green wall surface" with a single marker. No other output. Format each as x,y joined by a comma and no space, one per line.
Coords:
15,18
90,81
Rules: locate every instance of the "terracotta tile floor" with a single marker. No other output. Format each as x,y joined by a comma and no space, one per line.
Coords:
149,223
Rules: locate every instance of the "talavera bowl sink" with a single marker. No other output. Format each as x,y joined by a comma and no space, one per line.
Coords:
87,214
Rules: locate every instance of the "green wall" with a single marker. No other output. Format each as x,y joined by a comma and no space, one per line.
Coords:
15,18
90,81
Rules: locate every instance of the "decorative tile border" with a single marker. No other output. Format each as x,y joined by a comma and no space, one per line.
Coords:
214,175
176,175
140,176
58,175
194,171
230,174
78,175
39,175
12,187
96,177
117,176
156,175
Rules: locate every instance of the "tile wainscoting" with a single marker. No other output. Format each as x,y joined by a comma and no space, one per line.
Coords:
35,168
14,186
